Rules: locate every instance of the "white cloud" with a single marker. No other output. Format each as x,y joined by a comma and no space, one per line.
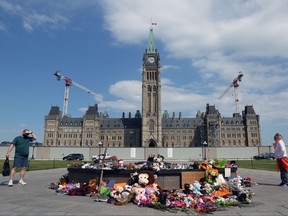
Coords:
197,28
169,67
52,21
220,38
173,98
130,88
31,19
10,8
129,94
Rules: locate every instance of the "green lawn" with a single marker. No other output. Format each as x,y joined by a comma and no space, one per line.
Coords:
258,164
43,164
47,164
53,164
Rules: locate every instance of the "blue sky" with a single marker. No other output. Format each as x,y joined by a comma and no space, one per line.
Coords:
100,44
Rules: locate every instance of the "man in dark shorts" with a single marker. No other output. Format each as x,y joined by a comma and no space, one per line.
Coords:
21,144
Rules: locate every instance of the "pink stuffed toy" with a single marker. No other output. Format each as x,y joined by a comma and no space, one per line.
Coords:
140,197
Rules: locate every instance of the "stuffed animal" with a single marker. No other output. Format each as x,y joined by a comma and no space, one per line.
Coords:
146,177
156,166
86,165
147,189
123,197
92,183
140,196
133,180
197,188
152,190
120,163
131,166
188,188
116,194
219,180
158,159
153,198
128,188
207,188
222,191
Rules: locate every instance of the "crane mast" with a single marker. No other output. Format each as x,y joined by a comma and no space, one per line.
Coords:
234,84
69,82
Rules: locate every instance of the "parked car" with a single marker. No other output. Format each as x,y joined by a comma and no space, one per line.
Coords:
74,157
264,156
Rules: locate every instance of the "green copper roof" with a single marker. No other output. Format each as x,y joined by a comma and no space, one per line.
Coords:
151,42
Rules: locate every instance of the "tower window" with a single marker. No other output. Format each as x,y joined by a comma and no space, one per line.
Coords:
151,126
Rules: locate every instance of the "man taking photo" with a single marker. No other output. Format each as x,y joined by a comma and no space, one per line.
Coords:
21,144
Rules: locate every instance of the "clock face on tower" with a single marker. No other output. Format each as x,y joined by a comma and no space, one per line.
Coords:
151,60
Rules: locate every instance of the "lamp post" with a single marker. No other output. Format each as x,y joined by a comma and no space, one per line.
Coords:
33,146
204,144
100,144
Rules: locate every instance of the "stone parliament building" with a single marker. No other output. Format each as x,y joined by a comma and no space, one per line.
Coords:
152,128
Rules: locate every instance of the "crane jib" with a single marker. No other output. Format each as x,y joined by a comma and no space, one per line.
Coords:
68,83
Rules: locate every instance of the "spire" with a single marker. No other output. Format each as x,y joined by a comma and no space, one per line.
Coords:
151,42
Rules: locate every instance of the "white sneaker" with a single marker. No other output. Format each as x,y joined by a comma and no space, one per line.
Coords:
21,182
10,184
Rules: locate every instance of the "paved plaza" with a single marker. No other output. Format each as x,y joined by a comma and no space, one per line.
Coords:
36,198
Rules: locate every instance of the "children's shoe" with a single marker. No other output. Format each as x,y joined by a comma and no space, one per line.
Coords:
10,184
21,182
101,198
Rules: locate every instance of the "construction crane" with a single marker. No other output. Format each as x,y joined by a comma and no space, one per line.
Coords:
69,82
234,84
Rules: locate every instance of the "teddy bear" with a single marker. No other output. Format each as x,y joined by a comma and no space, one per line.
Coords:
219,180
197,188
207,188
140,196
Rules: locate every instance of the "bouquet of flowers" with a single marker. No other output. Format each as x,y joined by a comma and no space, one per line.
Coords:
63,180
211,175
219,163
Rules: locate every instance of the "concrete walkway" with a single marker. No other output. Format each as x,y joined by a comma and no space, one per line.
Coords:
36,199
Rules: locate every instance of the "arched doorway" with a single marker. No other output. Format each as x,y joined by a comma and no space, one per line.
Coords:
152,144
